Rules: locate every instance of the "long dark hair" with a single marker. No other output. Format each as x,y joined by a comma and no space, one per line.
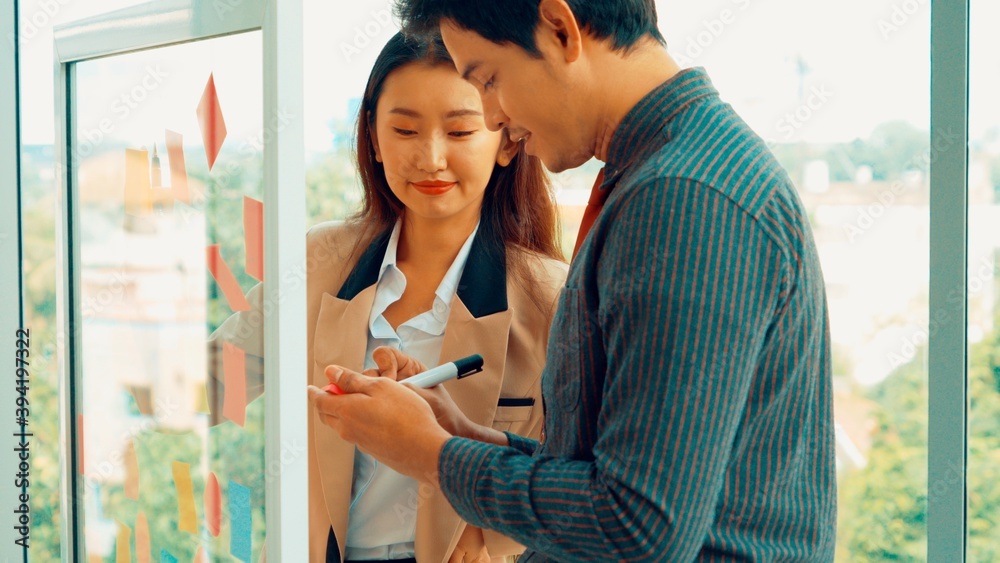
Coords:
518,207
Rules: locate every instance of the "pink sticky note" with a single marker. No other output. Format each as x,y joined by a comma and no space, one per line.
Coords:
213,126
142,551
226,280
213,504
253,233
234,364
178,170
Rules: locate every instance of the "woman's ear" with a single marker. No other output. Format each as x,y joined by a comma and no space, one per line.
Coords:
508,149
373,133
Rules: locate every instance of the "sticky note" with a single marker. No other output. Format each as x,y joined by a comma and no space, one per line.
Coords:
239,513
253,235
226,280
178,170
188,518
165,557
131,471
213,505
141,538
79,444
199,556
123,551
213,125
138,191
234,401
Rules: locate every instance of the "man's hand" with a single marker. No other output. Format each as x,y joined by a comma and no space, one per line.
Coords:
397,366
385,419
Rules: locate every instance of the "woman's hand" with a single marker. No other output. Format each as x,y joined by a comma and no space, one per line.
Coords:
471,547
397,366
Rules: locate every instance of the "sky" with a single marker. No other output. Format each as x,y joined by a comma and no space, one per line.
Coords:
841,67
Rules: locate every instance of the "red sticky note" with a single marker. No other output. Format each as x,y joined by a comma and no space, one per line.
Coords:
178,170
234,364
226,280
253,234
213,505
142,551
213,126
331,388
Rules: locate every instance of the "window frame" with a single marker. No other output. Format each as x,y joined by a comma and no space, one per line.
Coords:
159,24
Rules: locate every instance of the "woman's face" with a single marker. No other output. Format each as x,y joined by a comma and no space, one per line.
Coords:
432,139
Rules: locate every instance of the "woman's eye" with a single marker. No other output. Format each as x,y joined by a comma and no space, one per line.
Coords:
488,85
461,133
404,132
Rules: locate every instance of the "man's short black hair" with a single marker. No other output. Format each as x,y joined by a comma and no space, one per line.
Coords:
624,22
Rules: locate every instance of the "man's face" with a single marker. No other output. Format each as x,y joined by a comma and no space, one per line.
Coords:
534,98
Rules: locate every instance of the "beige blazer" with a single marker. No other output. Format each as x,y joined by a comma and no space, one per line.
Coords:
491,315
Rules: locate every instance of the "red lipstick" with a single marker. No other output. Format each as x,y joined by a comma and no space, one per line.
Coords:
433,187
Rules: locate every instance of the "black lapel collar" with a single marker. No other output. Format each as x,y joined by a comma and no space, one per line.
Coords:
483,287
365,273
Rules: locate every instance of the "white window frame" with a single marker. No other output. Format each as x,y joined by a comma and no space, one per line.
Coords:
11,312
159,24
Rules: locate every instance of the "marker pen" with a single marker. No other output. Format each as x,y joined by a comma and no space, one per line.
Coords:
435,376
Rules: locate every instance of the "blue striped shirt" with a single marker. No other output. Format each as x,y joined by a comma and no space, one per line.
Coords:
688,381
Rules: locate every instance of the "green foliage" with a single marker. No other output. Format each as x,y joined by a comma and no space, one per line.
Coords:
883,506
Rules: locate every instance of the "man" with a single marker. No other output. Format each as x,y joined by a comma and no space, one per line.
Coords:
687,387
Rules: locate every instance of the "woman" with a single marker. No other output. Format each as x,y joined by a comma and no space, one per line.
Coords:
454,253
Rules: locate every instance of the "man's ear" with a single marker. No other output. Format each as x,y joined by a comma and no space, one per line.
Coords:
508,149
556,21
373,133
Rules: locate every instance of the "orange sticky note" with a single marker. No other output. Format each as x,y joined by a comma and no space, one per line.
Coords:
199,555
178,170
123,551
131,472
188,517
213,125
226,280
142,552
234,364
253,235
138,191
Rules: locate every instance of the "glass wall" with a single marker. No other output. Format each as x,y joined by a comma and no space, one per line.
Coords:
169,179
839,91
984,285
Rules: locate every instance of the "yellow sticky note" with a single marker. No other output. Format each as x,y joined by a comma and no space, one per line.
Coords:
188,520
142,551
123,551
138,189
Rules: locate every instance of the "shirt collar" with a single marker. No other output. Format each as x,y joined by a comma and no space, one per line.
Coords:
633,140
391,284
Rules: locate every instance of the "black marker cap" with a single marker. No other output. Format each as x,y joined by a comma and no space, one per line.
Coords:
470,365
